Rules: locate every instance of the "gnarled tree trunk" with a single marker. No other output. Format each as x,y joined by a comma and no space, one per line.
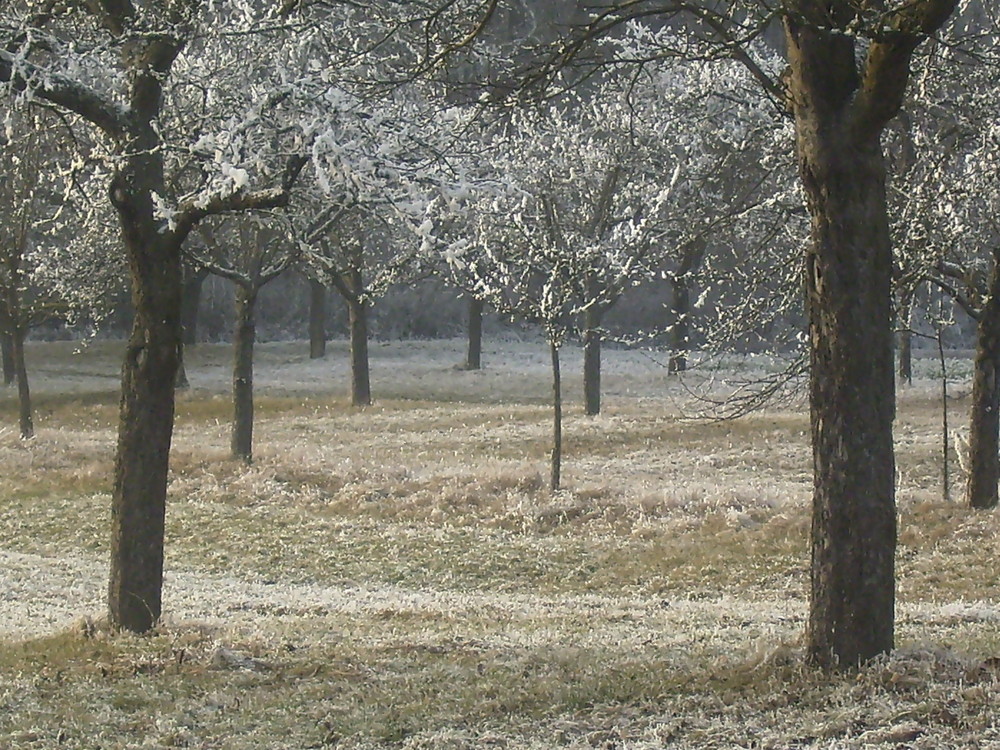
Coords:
244,336
984,418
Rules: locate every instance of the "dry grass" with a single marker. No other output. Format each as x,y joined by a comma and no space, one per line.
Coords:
399,576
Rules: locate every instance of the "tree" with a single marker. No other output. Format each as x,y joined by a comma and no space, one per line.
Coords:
848,70
250,255
947,232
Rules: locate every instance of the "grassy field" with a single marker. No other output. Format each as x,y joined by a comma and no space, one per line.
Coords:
399,576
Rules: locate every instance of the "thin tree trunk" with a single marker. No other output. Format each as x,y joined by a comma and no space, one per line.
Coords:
984,419
592,360
244,336
7,353
905,337
194,283
361,394
181,380
680,330
556,467
317,319
474,355
25,421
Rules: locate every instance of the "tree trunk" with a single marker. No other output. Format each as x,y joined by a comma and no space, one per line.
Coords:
317,319
984,419
556,467
680,330
592,360
244,336
849,286
181,380
474,355
25,421
905,338
361,394
145,429
194,282
7,354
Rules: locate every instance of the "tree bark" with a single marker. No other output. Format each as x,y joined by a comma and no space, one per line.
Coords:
555,474
680,337
984,419
244,336
7,354
474,354
25,420
317,319
592,360
194,282
361,394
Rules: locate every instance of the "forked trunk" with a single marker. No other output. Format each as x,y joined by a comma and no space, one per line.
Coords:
555,474
317,319
7,354
361,393
984,419
592,360
244,336
25,421
474,355
680,330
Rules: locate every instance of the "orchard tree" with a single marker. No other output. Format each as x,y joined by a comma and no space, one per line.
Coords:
193,124
846,78
948,232
250,253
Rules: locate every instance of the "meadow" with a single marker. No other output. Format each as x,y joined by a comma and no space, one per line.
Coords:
400,576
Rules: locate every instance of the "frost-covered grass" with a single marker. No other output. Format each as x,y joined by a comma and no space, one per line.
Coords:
399,576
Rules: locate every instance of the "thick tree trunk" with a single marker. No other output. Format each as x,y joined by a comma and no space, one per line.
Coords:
984,419
848,282
317,319
680,339
244,336
144,434
904,338
361,394
849,275
194,282
474,355
25,421
592,360
7,354
555,474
